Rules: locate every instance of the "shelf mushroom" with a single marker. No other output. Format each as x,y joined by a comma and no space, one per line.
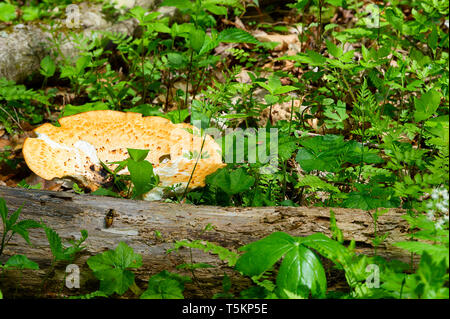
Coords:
74,150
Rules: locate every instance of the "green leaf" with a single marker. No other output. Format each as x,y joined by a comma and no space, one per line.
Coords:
55,243
439,252
316,59
177,60
70,109
315,183
271,99
286,147
137,155
235,35
142,176
22,227
301,273
104,192
21,262
214,9
427,105
82,63
333,49
197,38
261,255
231,183
180,4
111,268
3,210
224,254
165,285
48,67
335,230
7,12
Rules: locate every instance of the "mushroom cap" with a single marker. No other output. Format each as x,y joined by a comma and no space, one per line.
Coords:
74,150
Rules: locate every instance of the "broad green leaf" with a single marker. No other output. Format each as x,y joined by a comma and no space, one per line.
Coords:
261,255
177,60
271,99
231,183
439,252
315,183
142,176
333,49
7,12
21,262
111,267
286,147
48,67
197,38
137,155
165,285
214,9
70,109
235,35
104,192
426,105
301,273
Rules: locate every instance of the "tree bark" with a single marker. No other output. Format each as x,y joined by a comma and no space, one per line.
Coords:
137,221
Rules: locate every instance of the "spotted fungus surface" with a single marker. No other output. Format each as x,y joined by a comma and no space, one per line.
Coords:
76,149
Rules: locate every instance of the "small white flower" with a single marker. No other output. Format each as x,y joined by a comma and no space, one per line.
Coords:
435,194
445,195
440,222
430,215
441,207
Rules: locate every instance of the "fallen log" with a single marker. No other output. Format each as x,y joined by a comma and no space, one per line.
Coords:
137,221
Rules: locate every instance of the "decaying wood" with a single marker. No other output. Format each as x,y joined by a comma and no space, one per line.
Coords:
137,221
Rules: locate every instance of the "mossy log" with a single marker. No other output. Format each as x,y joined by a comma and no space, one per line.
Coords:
137,221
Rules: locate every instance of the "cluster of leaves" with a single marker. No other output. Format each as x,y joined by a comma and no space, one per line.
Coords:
141,177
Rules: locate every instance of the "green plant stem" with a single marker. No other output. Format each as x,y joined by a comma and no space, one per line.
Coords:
135,289
187,84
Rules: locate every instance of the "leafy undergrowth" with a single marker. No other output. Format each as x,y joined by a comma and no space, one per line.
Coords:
358,96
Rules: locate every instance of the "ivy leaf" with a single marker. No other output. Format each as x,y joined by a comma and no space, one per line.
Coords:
21,262
111,268
165,285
